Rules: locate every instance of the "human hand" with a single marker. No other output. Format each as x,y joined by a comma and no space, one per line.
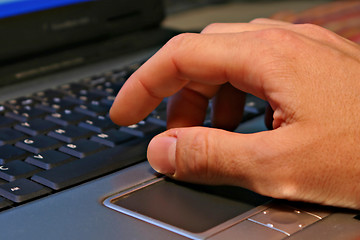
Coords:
308,75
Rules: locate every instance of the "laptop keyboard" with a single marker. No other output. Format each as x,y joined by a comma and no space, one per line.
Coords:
58,138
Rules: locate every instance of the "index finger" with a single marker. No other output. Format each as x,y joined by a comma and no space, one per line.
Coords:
211,59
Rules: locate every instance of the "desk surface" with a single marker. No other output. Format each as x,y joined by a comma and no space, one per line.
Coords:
234,11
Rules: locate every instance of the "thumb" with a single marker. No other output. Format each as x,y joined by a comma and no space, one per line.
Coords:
211,156
296,162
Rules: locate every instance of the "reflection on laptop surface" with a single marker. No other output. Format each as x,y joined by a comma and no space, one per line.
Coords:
67,172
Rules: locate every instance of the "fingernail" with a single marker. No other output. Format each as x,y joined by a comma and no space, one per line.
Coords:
161,154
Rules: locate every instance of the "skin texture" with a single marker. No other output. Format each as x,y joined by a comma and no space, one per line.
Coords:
309,76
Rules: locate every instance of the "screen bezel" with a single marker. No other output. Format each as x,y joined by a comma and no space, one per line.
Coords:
26,36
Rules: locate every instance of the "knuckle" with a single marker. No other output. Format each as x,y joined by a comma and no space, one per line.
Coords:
212,28
178,48
259,20
179,40
320,31
279,46
278,35
200,154
313,28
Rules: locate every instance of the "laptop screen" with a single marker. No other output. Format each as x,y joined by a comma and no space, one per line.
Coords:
33,31
10,8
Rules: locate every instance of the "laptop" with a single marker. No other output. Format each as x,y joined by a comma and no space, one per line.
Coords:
67,172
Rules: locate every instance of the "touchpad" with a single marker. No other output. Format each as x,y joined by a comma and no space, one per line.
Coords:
189,207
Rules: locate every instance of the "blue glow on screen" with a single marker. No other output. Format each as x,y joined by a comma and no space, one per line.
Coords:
9,8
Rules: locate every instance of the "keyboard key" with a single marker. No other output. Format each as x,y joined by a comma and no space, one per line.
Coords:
10,136
38,144
77,100
114,86
9,153
21,102
49,94
112,137
22,190
6,121
158,118
143,129
81,148
93,109
97,124
70,133
83,97
66,117
17,169
3,109
93,166
124,74
159,115
108,101
108,88
49,159
253,107
89,96
74,88
102,92
94,81
55,105
35,127
25,114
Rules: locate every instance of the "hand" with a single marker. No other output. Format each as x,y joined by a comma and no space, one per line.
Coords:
309,76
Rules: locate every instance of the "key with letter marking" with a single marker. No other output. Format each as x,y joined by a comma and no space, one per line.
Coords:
22,190
93,166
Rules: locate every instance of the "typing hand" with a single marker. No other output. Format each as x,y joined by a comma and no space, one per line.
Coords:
310,77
